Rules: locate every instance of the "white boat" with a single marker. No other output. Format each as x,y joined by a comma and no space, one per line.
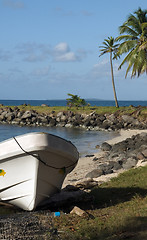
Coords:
33,167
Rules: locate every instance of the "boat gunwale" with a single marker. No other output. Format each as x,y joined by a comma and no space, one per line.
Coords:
35,149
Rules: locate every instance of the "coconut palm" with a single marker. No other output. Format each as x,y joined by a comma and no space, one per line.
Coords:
109,46
134,42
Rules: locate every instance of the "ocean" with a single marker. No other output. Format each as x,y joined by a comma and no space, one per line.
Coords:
63,102
85,141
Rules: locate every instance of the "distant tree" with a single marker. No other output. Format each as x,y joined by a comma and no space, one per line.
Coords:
134,42
75,101
109,46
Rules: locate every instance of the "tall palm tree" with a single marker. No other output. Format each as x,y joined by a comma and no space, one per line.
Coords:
134,42
110,47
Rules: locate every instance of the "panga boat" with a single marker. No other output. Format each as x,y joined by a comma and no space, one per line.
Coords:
33,167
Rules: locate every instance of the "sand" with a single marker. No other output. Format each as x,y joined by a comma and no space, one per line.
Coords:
86,164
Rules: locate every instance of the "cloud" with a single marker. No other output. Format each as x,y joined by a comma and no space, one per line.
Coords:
62,12
62,48
41,72
102,69
87,13
33,52
5,55
14,4
62,53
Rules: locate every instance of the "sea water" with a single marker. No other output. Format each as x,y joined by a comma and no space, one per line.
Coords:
84,140
63,102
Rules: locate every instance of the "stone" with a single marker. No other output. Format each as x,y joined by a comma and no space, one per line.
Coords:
87,183
78,211
107,168
106,146
27,114
144,152
130,163
117,165
89,155
68,125
95,159
44,105
140,156
52,123
94,173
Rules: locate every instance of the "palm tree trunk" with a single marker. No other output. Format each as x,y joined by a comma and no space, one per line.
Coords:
112,75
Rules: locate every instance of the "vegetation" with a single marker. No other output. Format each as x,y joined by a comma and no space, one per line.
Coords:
117,212
134,42
109,46
75,101
141,111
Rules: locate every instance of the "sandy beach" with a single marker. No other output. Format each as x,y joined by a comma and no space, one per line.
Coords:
86,164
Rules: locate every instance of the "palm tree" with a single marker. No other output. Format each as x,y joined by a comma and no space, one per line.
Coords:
134,42
110,47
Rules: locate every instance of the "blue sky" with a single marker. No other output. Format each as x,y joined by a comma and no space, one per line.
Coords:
49,48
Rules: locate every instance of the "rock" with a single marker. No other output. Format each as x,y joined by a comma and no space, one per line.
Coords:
105,124
68,125
95,159
140,156
94,174
106,146
78,211
130,163
89,155
97,146
27,114
117,165
144,152
44,105
52,123
119,147
86,184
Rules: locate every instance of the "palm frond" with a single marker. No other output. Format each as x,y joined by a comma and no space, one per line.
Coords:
126,37
129,30
127,46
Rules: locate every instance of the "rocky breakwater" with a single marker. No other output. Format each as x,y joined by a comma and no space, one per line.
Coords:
124,155
92,121
113,160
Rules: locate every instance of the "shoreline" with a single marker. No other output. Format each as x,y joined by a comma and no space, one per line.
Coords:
86,164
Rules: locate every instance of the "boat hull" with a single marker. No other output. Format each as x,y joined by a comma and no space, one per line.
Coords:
34,167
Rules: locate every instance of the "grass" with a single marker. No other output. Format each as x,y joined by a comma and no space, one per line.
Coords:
88,109
118,211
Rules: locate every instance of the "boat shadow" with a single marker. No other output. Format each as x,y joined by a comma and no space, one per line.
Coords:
105,197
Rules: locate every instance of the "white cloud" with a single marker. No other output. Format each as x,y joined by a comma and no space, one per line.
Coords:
34,52
62,53
62,48
66,57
